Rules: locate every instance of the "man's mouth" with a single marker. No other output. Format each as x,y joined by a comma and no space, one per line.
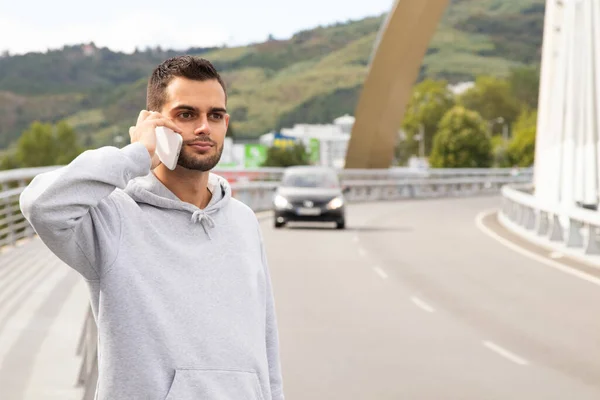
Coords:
201,146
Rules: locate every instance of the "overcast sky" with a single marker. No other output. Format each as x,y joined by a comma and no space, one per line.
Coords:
124,24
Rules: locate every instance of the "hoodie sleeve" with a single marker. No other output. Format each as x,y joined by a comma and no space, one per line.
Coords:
272,336
71,211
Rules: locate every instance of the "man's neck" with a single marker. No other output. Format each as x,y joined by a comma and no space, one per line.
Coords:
188,185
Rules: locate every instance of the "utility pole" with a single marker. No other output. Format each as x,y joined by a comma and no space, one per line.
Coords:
422,141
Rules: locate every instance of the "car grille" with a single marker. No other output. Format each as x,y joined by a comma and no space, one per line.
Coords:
316,203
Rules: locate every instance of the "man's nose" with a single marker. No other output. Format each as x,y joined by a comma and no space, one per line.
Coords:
203,127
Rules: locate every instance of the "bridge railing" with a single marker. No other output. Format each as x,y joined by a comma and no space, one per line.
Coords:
13,226
574,229
275,174
256,188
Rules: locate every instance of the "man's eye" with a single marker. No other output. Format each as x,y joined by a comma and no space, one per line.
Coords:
186,115
217,116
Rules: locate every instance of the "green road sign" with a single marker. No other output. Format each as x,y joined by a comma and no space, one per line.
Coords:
255,155
314,148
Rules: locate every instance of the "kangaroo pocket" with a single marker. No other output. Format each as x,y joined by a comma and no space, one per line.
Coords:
202,384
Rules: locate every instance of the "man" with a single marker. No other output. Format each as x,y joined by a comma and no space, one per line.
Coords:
176,267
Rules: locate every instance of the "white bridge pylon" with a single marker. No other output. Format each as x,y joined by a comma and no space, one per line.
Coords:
567,143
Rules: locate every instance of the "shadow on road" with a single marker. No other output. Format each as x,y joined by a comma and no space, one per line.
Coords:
364,229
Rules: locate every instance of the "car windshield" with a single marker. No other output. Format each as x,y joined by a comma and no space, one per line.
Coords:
311,179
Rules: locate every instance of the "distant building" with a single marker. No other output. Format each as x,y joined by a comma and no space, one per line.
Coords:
461,87
332,139
89,49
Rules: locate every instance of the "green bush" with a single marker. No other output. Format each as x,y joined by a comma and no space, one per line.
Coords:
522,147
287,156
462,141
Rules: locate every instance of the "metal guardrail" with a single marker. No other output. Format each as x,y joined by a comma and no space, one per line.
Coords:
87,349
384,185
13,226
256,187
572,227
275,174
259,195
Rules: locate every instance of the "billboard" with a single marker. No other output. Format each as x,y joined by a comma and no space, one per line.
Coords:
254,155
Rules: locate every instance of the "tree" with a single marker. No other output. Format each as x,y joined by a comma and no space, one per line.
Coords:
404,149
8,161
66,144
492,98
36,147
43,145
522,147
525,85
462,141
429,103
287,156
501,155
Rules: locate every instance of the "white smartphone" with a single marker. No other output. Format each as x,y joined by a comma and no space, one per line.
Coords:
168,146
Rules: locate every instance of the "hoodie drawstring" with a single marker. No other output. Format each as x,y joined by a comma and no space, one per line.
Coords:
204,219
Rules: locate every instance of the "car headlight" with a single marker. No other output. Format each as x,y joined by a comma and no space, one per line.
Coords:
335,203
281,202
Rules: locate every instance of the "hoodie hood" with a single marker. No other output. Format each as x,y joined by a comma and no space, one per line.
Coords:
150,190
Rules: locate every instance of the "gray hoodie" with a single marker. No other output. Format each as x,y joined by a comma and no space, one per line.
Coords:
181,295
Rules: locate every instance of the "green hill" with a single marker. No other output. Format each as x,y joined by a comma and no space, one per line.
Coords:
312,77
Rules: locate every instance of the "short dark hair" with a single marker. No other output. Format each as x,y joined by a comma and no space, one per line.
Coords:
189,67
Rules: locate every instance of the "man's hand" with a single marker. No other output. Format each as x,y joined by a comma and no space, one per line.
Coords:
143,131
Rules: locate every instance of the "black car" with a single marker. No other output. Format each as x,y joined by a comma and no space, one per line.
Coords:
310,194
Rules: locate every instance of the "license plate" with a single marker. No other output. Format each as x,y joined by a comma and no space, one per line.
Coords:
309,211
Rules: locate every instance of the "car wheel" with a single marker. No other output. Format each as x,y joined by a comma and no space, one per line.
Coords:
341,224
278,225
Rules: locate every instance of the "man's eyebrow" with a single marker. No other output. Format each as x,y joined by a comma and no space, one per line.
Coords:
185,107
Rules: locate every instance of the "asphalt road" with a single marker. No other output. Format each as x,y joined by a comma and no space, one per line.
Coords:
414,301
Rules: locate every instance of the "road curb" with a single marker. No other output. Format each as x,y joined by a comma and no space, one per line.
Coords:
488,224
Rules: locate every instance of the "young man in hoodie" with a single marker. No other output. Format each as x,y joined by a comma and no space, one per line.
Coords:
176,267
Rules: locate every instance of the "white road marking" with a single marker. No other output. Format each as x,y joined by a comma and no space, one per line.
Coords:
380,272
505,353
362,252
556,254
421,304
355,239
551,263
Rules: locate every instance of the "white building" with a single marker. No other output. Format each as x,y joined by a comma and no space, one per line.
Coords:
461,87
333,139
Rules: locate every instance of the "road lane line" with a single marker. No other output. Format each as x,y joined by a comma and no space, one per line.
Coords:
421,304
505,353
355,239
380,272
527,253
362,252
